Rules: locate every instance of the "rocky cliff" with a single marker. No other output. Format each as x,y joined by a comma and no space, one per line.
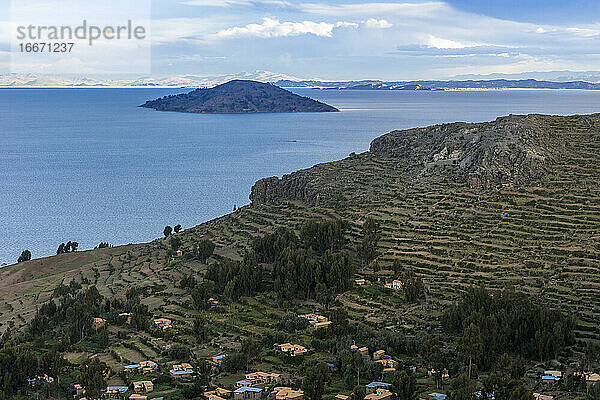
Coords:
511,151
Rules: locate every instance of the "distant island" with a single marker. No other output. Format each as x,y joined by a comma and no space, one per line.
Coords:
239,96
440,85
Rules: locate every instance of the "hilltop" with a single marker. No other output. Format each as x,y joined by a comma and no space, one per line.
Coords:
238,96
495,225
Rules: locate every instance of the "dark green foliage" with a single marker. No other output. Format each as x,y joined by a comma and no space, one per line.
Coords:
321,236
234,362
175,243
140,317
200,295
315,381
339,322
204,250
521,393
179,352
25,256
268,247
463,388
201,329
413,287
236,278
509,321
405,385
167,231
177,228
290,322
92,377
367,248
102,245
594,392
67,248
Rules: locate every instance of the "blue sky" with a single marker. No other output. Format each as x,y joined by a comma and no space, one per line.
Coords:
332,39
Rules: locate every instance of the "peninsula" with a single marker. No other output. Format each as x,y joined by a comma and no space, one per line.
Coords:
239,96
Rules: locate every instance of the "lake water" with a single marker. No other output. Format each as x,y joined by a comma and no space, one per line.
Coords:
88,165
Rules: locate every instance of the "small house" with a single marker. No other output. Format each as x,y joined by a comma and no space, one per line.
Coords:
379,394
287,393
247,393
98,323
373,386
360,282
218,360
137,396
163,323
260,378
293,349
143,386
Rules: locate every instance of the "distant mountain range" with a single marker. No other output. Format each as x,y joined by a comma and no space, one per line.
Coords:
188,81
589,80
238,96
441,85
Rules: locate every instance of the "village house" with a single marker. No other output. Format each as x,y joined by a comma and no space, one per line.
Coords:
360,282
126,317
144,367
293,349
243,383
212,302
98,323
340,396
445,374
183,369
247,393
373,386
389,365
40,379
262,378
287,393
115,391
218,360
137,396
539,396
143,386
378,355
551,376
394,285
163,323
315,320
379,394
79,390
437,396
218,393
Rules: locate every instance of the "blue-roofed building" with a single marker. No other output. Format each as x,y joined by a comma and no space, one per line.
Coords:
115,390
490,396
243,383
550,378
373,386
247,393
437,396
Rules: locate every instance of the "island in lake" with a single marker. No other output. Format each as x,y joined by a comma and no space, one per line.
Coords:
239,96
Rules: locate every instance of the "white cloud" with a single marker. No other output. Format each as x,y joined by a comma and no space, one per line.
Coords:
373,23
272,28
440,43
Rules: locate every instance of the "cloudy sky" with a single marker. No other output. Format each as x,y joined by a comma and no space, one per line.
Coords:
331,39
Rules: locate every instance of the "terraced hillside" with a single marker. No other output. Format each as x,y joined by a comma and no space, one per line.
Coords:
515,200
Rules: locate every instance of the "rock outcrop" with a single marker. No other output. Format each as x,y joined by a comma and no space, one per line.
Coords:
516,150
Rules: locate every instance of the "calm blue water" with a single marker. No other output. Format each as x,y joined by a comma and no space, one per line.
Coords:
88,165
